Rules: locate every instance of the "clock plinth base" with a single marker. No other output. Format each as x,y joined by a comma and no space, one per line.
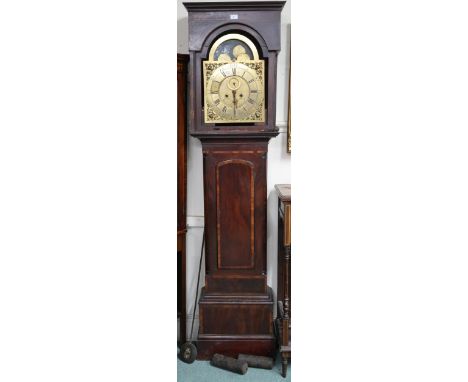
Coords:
231,325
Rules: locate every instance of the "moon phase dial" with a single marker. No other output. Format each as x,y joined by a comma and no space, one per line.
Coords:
233,92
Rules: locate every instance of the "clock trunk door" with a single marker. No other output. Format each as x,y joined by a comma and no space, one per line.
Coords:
235,207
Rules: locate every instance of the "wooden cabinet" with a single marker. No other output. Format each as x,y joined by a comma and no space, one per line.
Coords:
283,320
182,61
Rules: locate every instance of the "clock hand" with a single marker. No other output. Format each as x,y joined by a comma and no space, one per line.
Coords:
234,101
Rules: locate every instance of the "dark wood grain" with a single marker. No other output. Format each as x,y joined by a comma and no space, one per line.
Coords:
201,6
233,324
261,16
182,63
235,213
247,228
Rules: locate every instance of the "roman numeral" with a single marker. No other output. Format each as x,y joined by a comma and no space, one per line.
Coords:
253,91
252,80
224,109
251,101
216,102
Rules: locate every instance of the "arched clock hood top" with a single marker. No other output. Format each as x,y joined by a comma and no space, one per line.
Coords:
258,15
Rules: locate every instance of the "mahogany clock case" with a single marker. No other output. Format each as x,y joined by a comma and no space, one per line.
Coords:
236,304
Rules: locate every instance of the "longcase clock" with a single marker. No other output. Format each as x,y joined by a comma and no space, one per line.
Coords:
233,56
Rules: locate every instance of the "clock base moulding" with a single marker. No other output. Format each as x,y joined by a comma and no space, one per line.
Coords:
231,325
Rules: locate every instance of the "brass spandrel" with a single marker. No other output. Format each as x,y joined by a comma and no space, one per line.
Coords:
234,92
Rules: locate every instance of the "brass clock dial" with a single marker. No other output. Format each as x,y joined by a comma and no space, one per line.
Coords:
233,82
234,92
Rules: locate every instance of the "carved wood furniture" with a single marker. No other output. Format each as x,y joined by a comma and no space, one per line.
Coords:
283,320
182,62
236,304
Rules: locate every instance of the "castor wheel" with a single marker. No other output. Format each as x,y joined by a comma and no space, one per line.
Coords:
188,352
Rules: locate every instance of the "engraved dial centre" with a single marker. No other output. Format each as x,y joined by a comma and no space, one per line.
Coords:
234,91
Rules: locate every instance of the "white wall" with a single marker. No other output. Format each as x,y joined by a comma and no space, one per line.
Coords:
278,168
